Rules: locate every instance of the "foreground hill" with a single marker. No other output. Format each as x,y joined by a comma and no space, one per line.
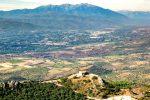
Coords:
39,91
66,16
80,86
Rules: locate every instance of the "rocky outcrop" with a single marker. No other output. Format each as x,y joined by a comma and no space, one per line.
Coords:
120,98
100,80
10,84
86,74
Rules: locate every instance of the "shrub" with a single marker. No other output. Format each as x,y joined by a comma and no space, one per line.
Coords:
94,77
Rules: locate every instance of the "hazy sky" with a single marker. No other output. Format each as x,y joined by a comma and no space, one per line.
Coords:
137,5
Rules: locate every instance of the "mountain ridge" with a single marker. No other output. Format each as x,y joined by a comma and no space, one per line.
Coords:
82,8
67,16
136,14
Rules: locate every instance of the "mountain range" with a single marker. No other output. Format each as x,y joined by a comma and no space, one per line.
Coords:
67,16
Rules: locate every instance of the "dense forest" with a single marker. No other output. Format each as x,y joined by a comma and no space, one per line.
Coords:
39,91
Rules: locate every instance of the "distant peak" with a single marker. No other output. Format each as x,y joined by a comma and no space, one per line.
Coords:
72,5
85,4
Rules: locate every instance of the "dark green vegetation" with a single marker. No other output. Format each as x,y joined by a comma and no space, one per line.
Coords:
39,91
122,84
